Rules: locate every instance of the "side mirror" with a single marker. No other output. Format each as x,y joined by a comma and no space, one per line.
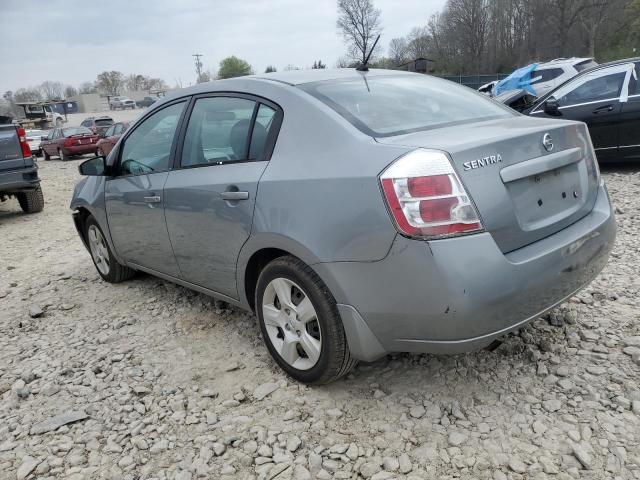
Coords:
552,107
94,167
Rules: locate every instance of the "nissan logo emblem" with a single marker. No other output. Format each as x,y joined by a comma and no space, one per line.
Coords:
547,142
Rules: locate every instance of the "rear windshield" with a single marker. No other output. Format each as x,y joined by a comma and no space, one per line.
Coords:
9,145
585,64
393,105
67,132
105,122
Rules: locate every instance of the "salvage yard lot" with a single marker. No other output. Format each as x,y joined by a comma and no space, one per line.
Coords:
176,385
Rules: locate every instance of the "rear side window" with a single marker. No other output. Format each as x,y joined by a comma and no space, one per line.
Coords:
383,106
545,75
585,64
9,144
218,131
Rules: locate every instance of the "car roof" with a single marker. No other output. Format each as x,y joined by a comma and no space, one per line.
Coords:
299,77
564,61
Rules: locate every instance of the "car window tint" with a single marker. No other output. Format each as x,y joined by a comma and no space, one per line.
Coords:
545,75
218,131
261,129
148,148
386,105
117,129
592,88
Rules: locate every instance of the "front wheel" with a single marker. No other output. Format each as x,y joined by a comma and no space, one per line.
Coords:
45,155
31,201
106,264
300,323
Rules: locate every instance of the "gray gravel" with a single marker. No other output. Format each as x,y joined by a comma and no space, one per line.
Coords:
149,380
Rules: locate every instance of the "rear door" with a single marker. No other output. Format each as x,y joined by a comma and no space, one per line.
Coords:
210,196
630,120
594,98
133,197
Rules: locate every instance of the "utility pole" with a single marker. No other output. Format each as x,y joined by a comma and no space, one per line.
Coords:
198,65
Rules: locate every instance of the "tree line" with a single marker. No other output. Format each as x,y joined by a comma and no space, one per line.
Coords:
487,36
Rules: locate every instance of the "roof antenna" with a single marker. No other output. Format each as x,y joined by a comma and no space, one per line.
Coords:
363,66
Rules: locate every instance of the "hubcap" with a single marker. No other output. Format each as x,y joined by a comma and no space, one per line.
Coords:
99,250
291,323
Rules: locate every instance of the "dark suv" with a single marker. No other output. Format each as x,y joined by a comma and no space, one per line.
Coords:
18,170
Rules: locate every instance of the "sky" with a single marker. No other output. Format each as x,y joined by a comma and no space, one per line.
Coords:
71,41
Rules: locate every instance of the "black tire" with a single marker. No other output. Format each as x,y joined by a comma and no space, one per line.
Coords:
335,359
45,155
31,201
117,273
62,156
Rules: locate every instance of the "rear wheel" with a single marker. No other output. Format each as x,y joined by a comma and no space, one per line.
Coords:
62,156
31,201
300,322
106,264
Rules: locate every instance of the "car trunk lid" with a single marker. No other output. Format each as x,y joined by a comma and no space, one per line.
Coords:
523,190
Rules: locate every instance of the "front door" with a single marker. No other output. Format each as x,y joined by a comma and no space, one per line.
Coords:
209,199
134,197
594,98
630,120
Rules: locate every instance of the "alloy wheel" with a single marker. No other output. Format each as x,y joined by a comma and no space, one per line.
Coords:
291,322
99,250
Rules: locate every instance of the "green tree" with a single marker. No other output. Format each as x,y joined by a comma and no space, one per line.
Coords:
234,67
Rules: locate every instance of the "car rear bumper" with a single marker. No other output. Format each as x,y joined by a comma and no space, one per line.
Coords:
81,149
459,294
19,180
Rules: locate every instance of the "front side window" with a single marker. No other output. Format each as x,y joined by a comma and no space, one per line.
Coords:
218,131
148,148
592,87
382,106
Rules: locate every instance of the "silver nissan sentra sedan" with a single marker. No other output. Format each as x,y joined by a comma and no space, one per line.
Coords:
356,213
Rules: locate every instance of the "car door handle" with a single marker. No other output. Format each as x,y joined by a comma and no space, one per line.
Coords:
234,196
153,199
606,108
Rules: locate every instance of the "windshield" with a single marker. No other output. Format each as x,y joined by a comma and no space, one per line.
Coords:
67,132
394,105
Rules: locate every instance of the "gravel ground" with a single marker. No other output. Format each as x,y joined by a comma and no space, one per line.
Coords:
149,380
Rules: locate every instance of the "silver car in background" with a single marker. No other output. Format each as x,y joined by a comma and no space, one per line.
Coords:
356,213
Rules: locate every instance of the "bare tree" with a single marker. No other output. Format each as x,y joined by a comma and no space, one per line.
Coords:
27,95
359,23
70,91
88,87
52,90
110,82
398,50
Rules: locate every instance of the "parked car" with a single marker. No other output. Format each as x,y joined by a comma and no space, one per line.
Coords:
34,137
539,78
356,213
111,137
607,99
97,125
18,170
121,102
146,102
67,142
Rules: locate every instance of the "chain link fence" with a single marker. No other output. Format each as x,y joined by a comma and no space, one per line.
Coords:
474,81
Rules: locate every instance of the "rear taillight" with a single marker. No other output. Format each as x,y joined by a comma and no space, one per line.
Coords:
24,145
426,197
69,142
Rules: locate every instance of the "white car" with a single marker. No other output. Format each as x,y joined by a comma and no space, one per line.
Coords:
121,102
33,139
549,75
